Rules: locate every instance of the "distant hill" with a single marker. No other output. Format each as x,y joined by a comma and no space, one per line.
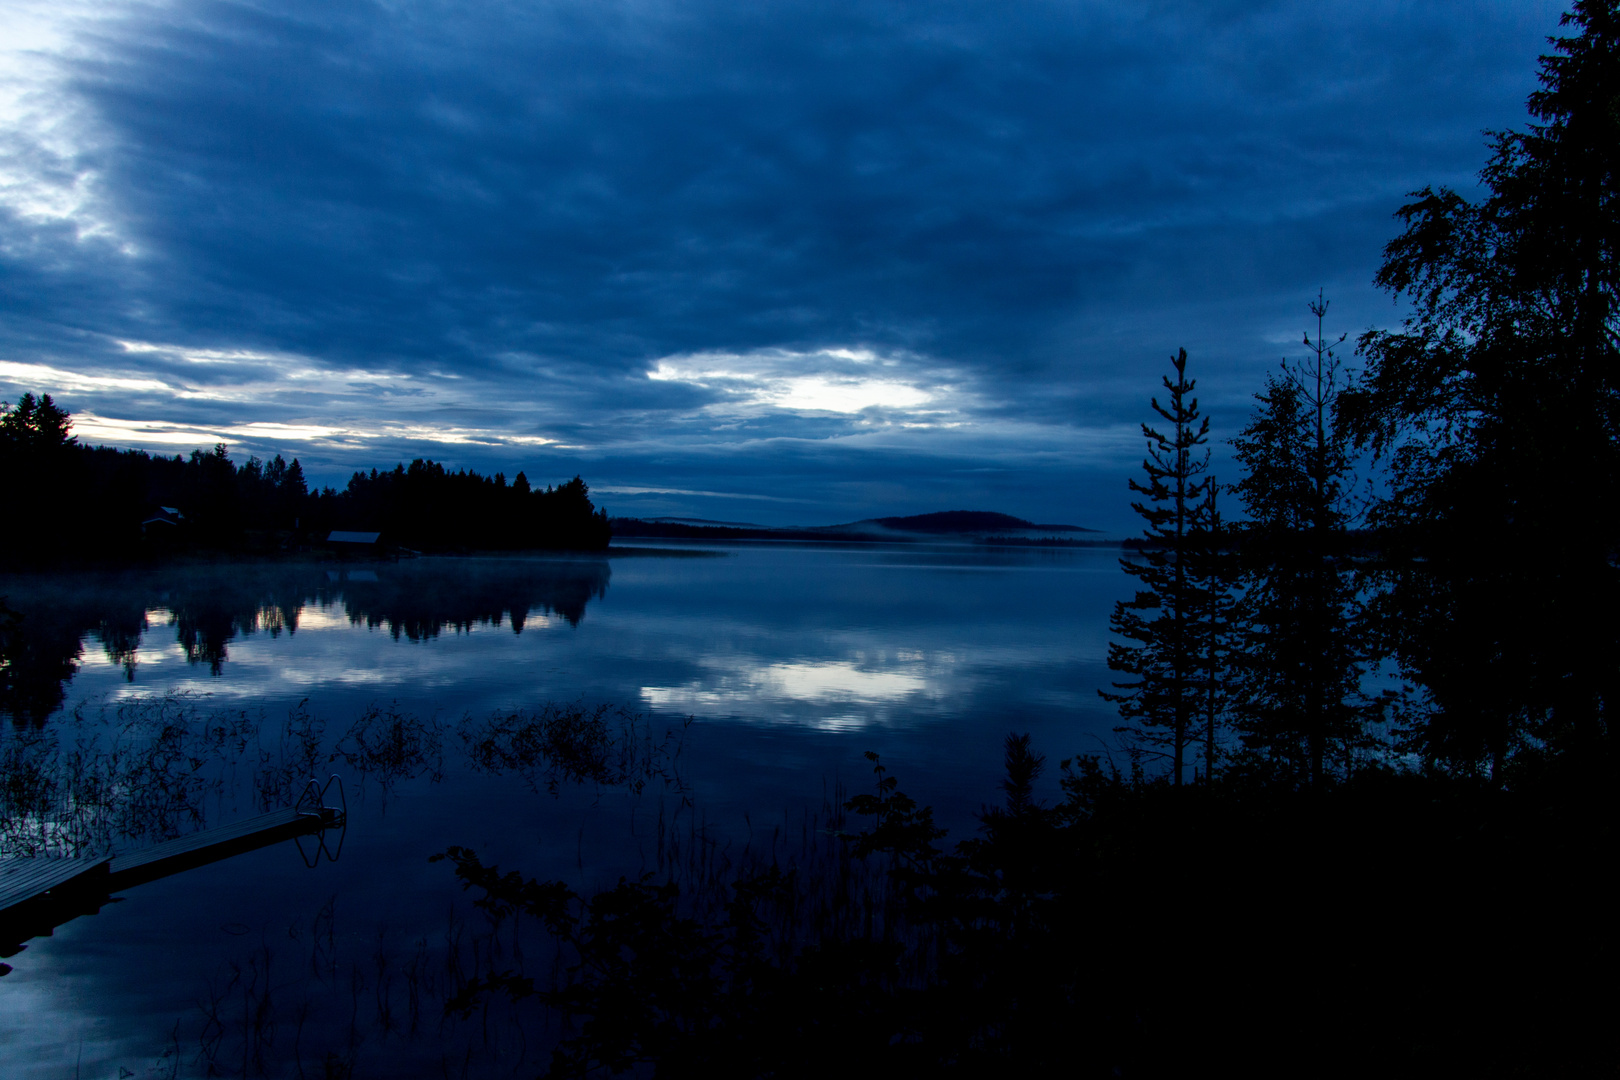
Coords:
668,528
968,523
961,521
707,521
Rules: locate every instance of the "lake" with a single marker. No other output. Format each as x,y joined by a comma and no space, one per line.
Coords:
727,693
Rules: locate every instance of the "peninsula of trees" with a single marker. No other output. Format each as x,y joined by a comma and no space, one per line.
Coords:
105,505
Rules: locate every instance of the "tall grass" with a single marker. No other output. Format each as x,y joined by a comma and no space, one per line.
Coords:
113,776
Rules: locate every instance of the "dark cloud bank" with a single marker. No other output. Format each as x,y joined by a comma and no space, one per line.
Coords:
815,260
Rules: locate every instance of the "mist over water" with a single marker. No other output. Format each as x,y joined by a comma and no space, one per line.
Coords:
732,691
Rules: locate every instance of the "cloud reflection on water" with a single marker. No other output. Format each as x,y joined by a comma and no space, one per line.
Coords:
797,690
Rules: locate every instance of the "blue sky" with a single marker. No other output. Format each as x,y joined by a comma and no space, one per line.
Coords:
766,261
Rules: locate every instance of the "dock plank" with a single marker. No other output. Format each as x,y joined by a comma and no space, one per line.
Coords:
22,880
209,845
205,838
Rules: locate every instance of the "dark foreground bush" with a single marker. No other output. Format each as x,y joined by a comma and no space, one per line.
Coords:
1396,925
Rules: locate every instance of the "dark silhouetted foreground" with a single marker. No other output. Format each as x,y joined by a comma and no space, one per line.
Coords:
1394,925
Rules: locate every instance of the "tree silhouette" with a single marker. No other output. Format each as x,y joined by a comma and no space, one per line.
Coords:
1161,698
1300,668
39,459
428,507
107,505
1497,405
1214,572
35,426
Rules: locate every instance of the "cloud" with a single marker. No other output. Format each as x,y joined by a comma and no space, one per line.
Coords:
67,379
620,489
48,135
668,243
843,381
141,433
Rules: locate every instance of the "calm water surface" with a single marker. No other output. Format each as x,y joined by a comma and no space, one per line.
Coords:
790,662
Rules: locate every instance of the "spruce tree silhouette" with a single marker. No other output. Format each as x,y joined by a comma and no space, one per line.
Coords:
1300,663
1214,572
1160,699
35,426
38,456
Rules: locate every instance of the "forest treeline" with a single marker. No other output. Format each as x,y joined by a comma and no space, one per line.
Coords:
102,504
1360,821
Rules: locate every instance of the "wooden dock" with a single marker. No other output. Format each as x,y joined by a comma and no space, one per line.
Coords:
211,845
24,880
37,895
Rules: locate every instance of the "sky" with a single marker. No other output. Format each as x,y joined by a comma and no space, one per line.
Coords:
775,261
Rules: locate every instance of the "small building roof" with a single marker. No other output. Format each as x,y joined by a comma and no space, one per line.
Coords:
343,537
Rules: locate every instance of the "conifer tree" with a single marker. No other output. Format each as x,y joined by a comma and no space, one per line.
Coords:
1301,652
1161,697
38,462
1214,573
35,427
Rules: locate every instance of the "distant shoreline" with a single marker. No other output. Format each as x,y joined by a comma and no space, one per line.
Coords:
978,528
859,540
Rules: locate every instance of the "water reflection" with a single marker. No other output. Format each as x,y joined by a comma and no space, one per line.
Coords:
782,654
139,772
785,690
209,607
421,599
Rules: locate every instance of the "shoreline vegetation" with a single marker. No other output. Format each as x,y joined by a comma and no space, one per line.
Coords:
1396,922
